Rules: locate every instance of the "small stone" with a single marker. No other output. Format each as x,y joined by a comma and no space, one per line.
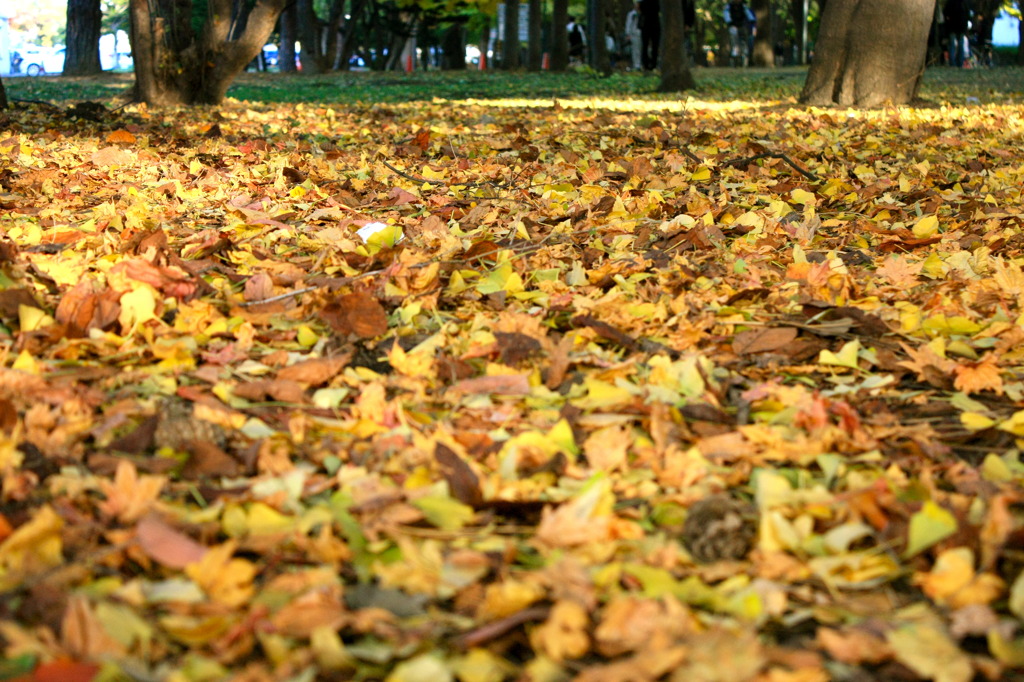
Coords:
719,528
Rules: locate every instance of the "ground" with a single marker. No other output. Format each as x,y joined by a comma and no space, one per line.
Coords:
484,377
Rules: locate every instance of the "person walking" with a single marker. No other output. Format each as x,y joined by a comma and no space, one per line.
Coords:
633,36
650,33
957,17
740,21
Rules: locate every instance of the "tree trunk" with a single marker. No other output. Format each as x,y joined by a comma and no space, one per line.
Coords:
309,38
764,41
599,59
559,37
84,19
348,42
174,66
1020,45
869,52
675,68
534,49
510,41
799,17
3,95
289,36
332,48
453,47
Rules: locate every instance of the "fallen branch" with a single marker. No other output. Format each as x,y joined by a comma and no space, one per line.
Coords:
736,163
495,629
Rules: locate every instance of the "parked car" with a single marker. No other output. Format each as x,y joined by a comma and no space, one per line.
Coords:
39,61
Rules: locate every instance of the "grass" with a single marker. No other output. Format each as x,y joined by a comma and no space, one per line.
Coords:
998,85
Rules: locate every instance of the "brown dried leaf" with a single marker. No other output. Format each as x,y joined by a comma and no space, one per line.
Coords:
358,313
165,544
765,340
313,372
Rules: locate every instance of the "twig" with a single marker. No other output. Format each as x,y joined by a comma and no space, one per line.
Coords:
442,183
495,629
414,178
279,297
773,155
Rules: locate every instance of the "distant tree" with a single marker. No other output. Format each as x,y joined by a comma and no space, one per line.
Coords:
1020,33
510,40
310,29
176,63
675,66
869,52
84,25
559,35
288,31
534,50
764,40
600,60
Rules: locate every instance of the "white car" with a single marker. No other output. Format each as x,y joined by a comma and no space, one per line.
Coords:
39,61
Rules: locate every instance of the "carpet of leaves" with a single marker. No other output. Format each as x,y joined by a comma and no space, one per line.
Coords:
601,391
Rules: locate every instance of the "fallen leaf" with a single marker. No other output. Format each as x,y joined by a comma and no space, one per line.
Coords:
163,543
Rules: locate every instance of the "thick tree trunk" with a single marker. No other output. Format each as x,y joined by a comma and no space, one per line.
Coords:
332,50
289,36
599,58
675,67
82,57
869,52
453,47
559,37
764,41
309,38
534,49
510,41
174,66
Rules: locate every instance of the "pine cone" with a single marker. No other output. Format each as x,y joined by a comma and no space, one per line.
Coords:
178,427
719,527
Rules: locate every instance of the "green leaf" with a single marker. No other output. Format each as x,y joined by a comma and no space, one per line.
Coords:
846,357
930,525
444,512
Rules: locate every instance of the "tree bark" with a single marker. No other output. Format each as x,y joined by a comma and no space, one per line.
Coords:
559,37
175,66
869,52
675,67
799,18
599,59
289,35
534,50
1020,45
335,17
309,38
453,47
84,24
510,41
764,41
